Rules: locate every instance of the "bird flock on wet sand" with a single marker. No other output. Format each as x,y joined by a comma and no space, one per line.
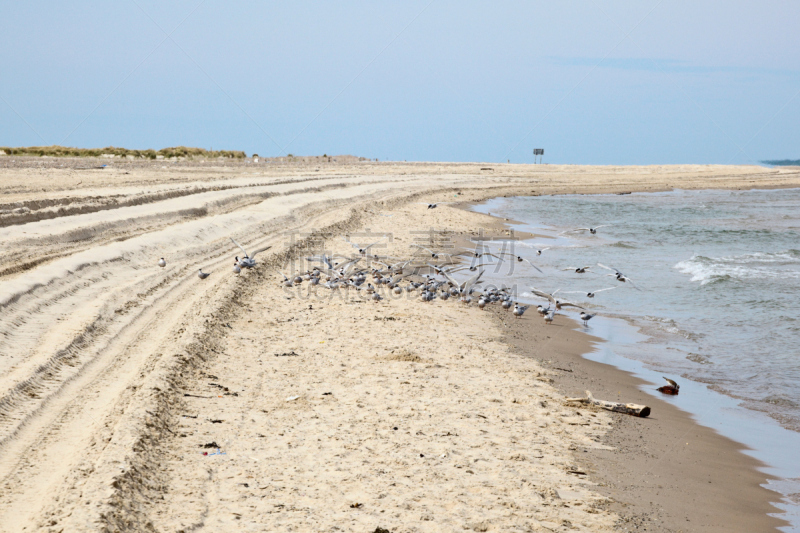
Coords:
433,275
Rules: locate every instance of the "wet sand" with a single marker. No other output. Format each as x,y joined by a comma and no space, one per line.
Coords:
114,372
662,473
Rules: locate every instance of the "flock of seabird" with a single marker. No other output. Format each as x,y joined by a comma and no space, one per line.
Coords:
369,272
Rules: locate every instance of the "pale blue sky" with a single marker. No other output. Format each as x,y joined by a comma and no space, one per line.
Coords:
595,81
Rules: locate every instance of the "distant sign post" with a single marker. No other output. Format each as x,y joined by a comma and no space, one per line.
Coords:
539,152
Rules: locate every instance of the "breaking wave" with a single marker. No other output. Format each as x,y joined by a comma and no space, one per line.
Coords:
759,265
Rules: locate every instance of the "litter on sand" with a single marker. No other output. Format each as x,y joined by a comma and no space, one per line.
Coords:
218,452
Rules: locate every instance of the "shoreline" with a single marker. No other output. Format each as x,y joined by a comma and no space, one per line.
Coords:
661,467
666,472
112,437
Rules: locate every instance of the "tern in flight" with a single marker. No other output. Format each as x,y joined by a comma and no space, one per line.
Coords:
578,270
591,294
324,259
434,255
593,230
619,275
552,297
362,249
521,259
538,250
465,287
485,254
248,261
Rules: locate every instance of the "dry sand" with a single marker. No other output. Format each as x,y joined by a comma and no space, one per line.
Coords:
106,360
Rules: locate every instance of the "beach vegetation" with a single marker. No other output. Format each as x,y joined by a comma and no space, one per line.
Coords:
175,151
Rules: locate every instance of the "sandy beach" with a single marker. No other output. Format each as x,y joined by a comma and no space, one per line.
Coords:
139,398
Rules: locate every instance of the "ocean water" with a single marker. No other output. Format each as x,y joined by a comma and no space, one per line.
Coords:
718,308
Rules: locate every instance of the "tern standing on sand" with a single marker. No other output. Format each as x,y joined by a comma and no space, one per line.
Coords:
519,310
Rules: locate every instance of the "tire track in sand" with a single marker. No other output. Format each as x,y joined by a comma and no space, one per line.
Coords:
72,411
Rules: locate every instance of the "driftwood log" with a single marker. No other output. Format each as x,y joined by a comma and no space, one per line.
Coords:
627,408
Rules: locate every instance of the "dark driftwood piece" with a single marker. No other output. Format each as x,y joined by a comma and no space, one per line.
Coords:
627,408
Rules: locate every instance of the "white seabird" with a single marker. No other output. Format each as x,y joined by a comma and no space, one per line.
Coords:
557,303
578,270
519,310
591,294
519,259
593,230
619,275
248,261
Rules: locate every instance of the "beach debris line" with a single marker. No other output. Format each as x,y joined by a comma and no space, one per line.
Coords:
632,409
671,388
